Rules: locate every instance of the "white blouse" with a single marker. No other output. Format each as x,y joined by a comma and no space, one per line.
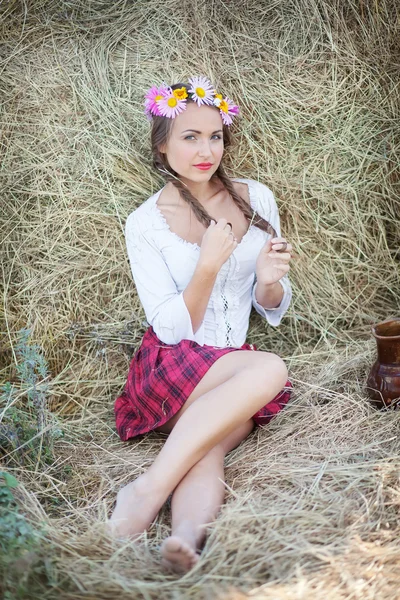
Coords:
163,263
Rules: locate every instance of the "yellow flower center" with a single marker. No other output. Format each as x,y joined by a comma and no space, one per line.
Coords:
172,102
180,93
157,98
218,96
224,106
200,92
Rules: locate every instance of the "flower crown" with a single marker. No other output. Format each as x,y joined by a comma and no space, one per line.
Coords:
163,101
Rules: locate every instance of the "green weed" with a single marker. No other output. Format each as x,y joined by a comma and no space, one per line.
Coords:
27,428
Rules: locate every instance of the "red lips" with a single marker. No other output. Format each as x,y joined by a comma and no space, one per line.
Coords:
203,165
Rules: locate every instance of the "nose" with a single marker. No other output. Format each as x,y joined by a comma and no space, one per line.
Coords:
205,149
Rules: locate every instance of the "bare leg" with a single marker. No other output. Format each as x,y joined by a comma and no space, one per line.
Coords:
205,423
196,501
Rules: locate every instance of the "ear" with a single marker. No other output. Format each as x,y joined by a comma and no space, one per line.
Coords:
162,148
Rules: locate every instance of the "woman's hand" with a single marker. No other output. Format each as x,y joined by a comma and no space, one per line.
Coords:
217,245
272,264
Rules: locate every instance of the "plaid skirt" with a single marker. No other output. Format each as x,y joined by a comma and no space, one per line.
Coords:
162,377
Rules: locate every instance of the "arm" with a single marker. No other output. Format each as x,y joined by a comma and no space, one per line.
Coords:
197,294
269,296
174,316
271,301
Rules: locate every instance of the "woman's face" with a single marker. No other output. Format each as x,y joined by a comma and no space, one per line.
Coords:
196,137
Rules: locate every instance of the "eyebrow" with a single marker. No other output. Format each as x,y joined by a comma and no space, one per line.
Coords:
195,131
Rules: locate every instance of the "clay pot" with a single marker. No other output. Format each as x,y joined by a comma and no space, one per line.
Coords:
383,383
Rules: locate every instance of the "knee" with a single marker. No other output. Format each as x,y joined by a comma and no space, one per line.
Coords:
283,370
272,369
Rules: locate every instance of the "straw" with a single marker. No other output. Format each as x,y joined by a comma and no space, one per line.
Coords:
312,499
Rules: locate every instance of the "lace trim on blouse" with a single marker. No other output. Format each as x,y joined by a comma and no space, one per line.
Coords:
194,245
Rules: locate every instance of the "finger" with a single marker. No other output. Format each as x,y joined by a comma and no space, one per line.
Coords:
284,268
267,246
279,240
232,239
282,246
277,252
284,256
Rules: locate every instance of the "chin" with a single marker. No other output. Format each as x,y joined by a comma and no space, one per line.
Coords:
198,177
202,175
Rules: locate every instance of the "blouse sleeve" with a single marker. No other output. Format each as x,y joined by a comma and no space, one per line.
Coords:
164,306
267,208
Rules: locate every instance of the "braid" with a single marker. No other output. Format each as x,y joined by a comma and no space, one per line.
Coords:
260,222
198,209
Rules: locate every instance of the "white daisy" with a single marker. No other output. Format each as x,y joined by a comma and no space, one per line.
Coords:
202,91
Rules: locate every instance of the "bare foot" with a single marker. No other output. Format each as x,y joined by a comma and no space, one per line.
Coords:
178,555
137,506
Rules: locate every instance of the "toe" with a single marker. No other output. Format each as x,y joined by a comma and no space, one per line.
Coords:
173,566
172,544
177,555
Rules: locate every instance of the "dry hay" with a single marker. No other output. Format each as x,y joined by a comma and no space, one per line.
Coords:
312,500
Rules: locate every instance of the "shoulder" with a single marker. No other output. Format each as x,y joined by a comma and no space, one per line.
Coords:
242,188
141,220
262,197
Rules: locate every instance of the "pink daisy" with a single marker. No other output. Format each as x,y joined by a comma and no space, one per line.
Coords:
153,96
228,109
170,105
202,91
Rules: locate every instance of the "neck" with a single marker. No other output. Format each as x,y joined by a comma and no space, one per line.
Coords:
204,191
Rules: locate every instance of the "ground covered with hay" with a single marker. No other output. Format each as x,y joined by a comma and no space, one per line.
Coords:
312,500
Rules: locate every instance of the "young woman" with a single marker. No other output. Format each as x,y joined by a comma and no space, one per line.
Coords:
203,250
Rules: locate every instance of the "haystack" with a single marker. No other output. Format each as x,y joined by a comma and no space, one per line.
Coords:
312,500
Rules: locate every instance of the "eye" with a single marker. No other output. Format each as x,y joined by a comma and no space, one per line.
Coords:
218,136
188,136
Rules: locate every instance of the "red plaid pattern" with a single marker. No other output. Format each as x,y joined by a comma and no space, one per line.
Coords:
162,377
